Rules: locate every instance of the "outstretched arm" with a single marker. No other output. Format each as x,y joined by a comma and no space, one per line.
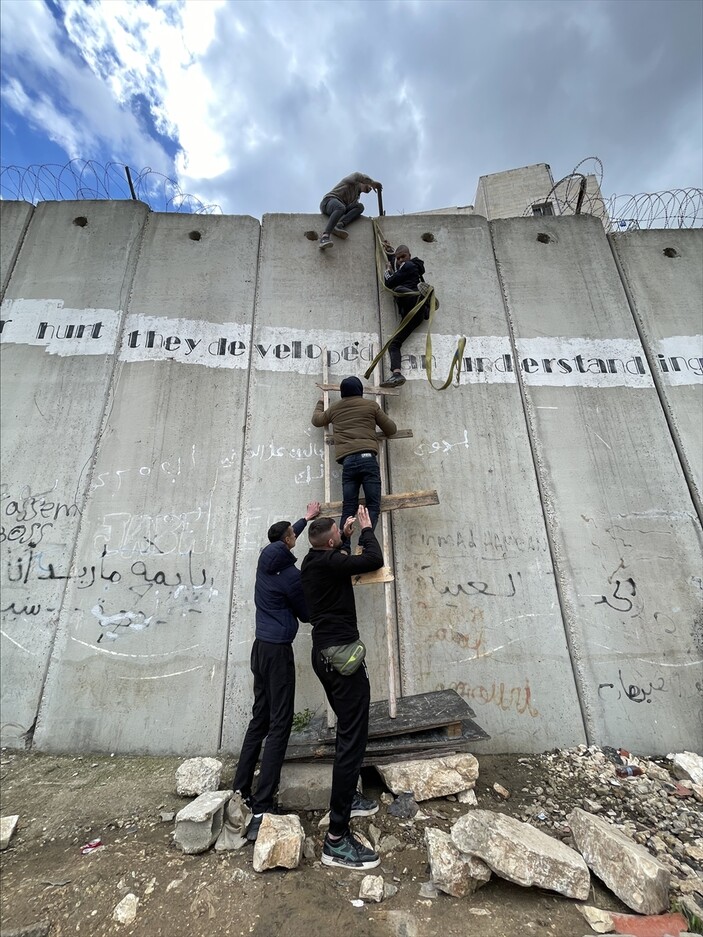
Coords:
370,559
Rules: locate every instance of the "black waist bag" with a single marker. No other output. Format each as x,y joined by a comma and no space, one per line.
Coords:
345,658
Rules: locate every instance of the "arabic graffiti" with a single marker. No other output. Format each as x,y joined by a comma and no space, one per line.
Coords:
632,691
517,699
629,588
475,587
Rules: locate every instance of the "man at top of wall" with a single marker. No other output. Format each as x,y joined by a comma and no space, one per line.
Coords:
280,603
403,273
343,206
354,421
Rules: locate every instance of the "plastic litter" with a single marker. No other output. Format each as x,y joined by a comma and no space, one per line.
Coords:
94,844
629,771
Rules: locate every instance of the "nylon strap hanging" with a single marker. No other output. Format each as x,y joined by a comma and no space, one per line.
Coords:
455,365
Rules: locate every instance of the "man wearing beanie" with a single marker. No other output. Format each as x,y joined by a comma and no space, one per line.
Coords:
354,421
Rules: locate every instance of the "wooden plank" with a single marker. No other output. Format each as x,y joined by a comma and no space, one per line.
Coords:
400,434
385,391
384,574
408,499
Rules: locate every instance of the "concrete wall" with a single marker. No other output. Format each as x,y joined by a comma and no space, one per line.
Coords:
508,194
15,218
145,454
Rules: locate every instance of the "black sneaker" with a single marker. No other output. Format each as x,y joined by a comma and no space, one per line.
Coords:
253,828
349,853
362,807
340,231
395,380
325,241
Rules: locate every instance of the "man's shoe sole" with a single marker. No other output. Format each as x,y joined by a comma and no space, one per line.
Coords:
364,813
341,864
392,383
325,245
341,233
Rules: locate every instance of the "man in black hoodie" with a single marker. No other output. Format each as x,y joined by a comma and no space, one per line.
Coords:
326,574
403,273
280,603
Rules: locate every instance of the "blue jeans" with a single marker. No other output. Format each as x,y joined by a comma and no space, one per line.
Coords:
339,212
361,470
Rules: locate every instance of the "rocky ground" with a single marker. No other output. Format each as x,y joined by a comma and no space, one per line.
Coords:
65,802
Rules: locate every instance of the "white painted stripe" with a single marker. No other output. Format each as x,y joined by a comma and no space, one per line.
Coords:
60,331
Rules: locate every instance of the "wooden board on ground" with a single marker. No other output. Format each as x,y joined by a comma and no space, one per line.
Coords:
408,499
415,714
399,434
430,744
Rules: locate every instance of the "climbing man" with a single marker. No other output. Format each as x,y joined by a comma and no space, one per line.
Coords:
403,273
354,421
280,604
343,206
338,661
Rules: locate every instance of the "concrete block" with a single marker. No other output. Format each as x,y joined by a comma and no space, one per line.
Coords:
200,822
305,786
14,218
8,825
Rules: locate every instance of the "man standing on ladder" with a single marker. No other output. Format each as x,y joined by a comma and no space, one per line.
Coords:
343,206
338,661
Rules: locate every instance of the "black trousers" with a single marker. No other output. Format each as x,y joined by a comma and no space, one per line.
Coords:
404,304
273,667
349,697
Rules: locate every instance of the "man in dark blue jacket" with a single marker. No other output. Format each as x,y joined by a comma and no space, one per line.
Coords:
403,273
280,604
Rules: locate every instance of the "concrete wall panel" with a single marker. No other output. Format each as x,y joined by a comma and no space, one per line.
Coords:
477,602
307,299
666,291
61,313
626,537
14,218
142,649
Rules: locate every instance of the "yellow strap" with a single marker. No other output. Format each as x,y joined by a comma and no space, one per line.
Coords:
455,366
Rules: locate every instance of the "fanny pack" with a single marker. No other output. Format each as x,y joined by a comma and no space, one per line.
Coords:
345,658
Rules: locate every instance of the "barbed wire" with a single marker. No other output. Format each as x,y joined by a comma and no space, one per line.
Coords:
87,179
674,208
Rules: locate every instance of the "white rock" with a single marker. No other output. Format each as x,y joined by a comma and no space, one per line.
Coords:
501,791
371,888
598,920
628,869
467,797
199,823
279,842
432,777
198,776
520,853
126,911
452,871
8,825
688,765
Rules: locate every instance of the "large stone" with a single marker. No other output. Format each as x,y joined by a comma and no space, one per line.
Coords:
126,911
199,823
8,825
371,888
688,766
198,776
520,853
431,777
452,871
279,843
305,787
628,869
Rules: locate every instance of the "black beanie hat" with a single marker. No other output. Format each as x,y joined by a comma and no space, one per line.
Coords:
351,387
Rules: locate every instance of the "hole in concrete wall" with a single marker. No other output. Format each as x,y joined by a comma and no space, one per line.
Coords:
81,221
311,235
543,238
670,252
427,236
195,235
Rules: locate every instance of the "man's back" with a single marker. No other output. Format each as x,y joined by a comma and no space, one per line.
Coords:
354,422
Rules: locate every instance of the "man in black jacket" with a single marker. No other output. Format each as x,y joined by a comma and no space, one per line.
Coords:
403,273
326,576
280,603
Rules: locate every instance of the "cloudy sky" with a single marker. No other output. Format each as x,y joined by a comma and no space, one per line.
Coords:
263,106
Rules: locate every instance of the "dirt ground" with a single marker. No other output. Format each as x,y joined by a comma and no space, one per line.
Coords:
64,802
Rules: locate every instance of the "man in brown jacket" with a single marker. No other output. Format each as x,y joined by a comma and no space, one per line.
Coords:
355,445
342,205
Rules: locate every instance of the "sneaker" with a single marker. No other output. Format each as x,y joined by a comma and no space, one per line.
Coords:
395,380
349,853
362,807
340,231
253,828
325,241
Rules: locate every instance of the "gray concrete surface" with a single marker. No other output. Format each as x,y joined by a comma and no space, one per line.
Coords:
626,537
157,384
13,225
667,298
53,392
478,607
142,650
